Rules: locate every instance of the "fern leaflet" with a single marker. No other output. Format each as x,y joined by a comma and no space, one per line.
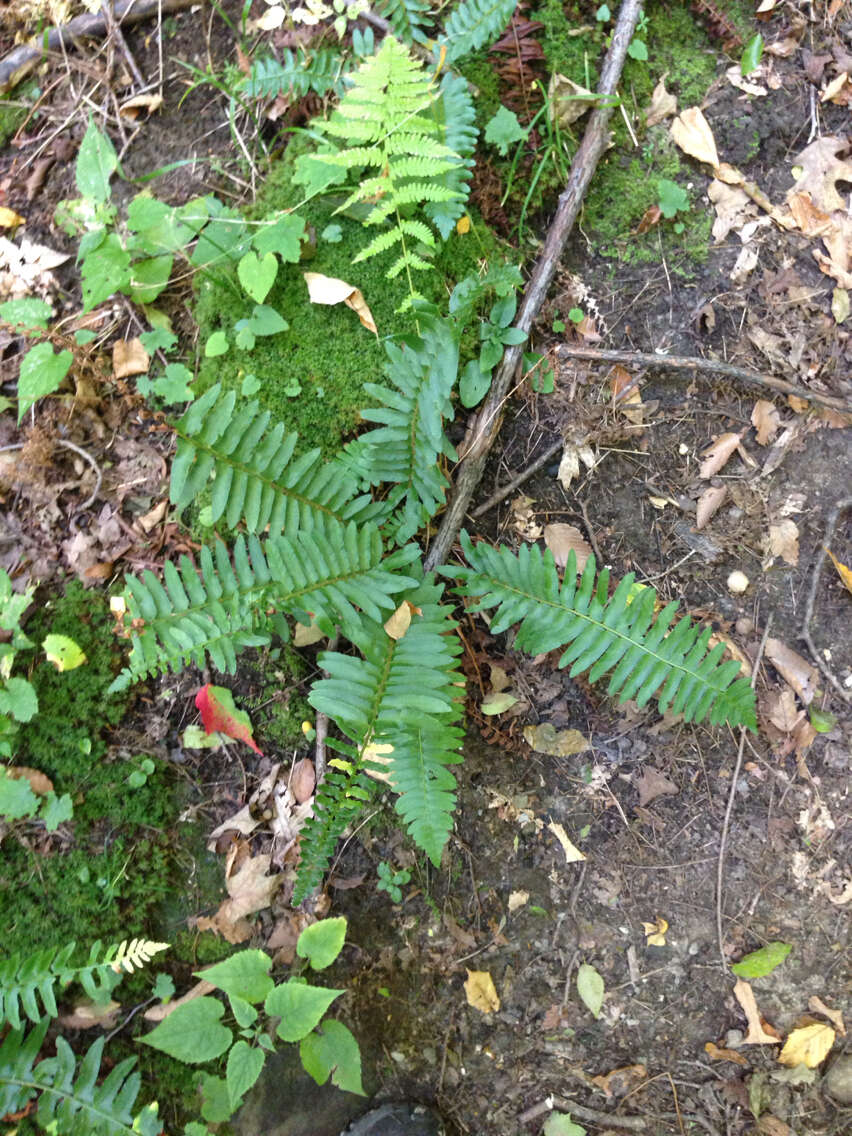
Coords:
398,704
296,74
225,606
406,448
473,24
340,797
604,634
407,18
459,116
257,478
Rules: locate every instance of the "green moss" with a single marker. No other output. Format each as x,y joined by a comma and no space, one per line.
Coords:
280,707
14,109
478,71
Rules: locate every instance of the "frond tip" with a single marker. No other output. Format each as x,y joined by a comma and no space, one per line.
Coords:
646,656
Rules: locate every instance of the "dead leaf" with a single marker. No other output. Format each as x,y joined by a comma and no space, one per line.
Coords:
242,822
199,990
572,853
816,1004
129,357
652,784
736,78
567,100
756,1035
822,168
285,934
769,1125
625,394
733,208
651,217
480,991
808,1045
9,219
499,679
462,937
88,1015
834,88
518,899
840,305
133,107
304,636
766,420
783,541
843,572
709,503
745,264
662,103
717,454
783,710
250,889
619,1082
655,933
572,454
716,1053
152,518
397,625
40,783
562,539
303,780
330,290
795,670
557,743
497,702
523,518
692,133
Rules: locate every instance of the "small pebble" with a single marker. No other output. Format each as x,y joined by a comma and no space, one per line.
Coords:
838,1080
738,582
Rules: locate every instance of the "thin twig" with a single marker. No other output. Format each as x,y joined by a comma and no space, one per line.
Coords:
77,450
698,365
498,495
114,29
723,841
831,525
592,1115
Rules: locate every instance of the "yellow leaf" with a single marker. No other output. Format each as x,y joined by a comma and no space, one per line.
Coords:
63,652
691,132
655,933
9,219
843,572
558,743
808,1045
129,357
463,225
480,991
330,290
572,853
377,753
400,621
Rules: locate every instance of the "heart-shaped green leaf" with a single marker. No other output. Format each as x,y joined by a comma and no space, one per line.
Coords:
257,276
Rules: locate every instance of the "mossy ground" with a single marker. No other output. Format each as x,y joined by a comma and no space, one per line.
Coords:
14,109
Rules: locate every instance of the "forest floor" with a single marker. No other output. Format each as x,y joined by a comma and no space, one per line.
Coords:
646,799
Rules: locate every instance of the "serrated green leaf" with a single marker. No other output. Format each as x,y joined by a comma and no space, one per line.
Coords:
42,371
192,1032
17,800
97,161
322,942
299,1006
503,129
56,810
244,1066
762,962
27,312
283,236
590,987
243,975
332,1050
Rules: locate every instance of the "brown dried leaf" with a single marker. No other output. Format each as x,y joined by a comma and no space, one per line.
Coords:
783,711
129,357
733,208
304,636
717,1053
834,1016
822,169
795,670
766,420
619,1082
40,783
557,743
330,290
250,889
662,104
572,853
652,784
691,132
756,1035
480,992
88,1015
562,539
716,455
783,541
397,624
303,780
709,503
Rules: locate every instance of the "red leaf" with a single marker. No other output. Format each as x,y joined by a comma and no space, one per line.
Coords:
218,713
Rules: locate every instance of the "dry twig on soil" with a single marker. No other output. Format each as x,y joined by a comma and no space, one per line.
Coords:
834,517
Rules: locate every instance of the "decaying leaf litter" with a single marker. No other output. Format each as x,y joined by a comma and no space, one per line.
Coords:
607,821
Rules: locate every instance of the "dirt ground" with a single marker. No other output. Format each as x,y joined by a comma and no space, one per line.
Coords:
648,800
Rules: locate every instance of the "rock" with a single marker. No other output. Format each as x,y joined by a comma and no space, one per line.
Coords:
838,1080
396,1120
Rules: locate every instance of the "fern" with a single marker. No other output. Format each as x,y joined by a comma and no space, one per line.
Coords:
71,1102
459,117
384,123
297,74
257,478
406,448
26,982
473,24
225,607
340,797
604,634
398,704
407,18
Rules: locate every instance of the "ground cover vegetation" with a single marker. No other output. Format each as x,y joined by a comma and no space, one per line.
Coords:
306,533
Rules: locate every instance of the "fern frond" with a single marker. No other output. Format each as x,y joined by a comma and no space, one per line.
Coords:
407,18
460,134
406,448
646,656
26,982
473,24
71,1101
257,478
340,797
398,704
225,606
296,74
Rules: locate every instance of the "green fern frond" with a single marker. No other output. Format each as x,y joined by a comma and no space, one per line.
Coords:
26,982
403,694
406,448
339,799
296,74
257,478
70,1100
225,606
407,18
473,24
646,656
458,114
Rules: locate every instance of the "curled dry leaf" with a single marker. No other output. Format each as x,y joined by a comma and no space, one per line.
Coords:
808,1045
709,503
572,454
129,357
480,991
653,784
691,132
330,290
756,1035
397,625
250,889
834,1016
733,208
717,454
766,420
562,540
572,853
306,634
717,1053
843,572
557,743
303,780
662,104
795,670
619,1082
783,541
518,899
655,933
783,711
567,100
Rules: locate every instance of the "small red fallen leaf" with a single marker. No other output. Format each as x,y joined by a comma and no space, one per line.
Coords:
219,714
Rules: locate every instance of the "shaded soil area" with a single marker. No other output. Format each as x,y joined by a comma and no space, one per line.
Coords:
648,798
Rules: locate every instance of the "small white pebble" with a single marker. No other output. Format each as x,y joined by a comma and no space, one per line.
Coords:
738,582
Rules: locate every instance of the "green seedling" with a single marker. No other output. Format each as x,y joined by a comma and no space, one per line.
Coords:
391,881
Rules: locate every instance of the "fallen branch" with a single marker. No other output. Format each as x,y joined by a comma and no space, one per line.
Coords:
592,1115
708,366
487,424
834,517
19,62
